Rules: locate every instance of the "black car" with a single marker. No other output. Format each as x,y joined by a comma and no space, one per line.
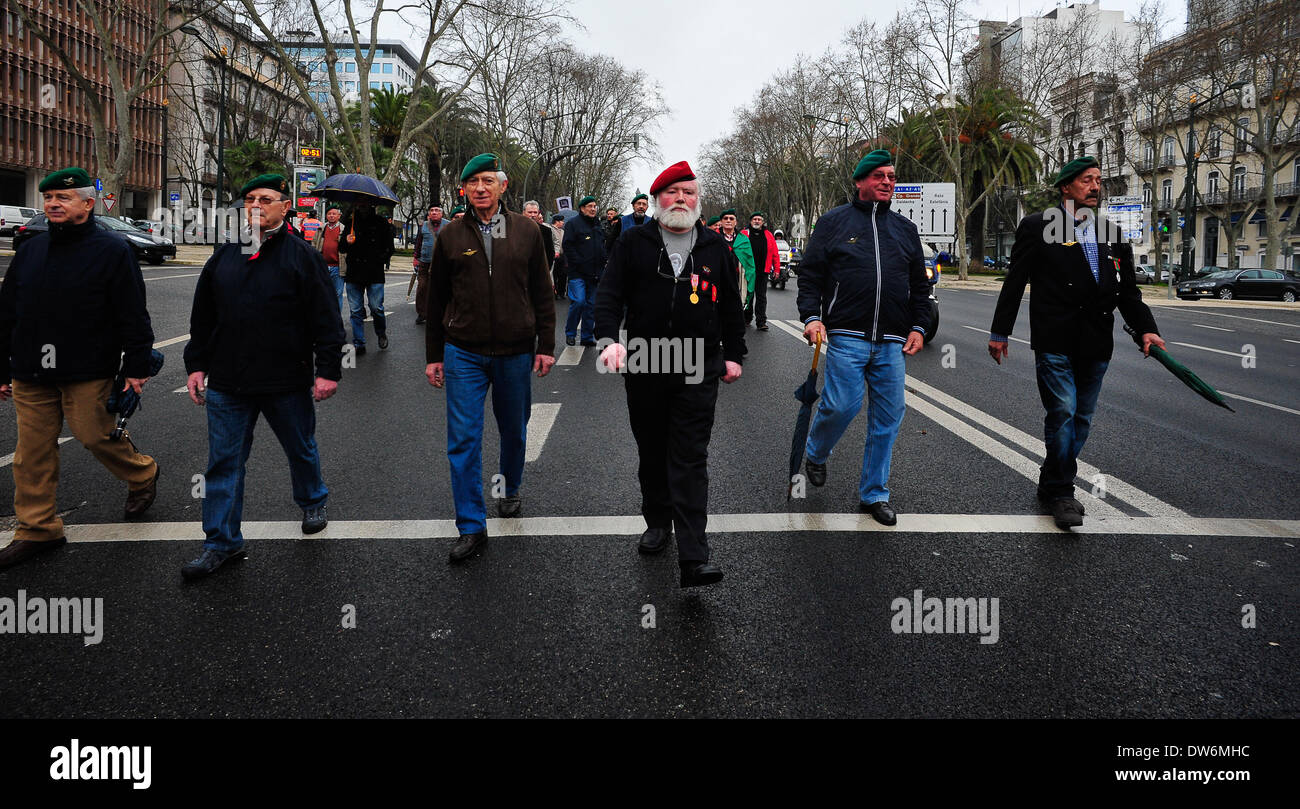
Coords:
1229,284
153,249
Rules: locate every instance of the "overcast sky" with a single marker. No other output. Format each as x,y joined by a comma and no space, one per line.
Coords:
681,44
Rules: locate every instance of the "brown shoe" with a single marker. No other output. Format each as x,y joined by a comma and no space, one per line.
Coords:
20,550
138,501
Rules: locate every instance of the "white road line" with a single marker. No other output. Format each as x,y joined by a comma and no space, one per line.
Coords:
986,331
1297,342
172,341
6,460
1251,319
1237,354
182,389
571,355
615,527
165,277
540,423
1115,487
1258,402
1216,328
1019,463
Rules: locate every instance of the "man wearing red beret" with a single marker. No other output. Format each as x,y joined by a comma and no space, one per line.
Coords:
676,280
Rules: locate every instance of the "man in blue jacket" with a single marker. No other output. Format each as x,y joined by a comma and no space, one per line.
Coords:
584,252
639,215
862,288
265,337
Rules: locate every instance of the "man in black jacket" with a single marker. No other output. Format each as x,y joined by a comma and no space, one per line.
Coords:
265,333
584,253
677,282
1079,277
72,303
369,246
862,285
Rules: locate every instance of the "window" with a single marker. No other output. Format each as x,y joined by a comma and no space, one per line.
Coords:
1243,134
1146,193
1212,183
1168,153
374,85
349,67
1214,142
1167,192
388,67
388,85
1239,180
1149,153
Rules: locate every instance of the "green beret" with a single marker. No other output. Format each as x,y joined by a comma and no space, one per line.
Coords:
1073,169
585,200
729,211
758,213
275,182
71,177
713,220
484,162
871,161
640,196
457,209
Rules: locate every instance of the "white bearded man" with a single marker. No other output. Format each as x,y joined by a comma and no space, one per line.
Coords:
676,280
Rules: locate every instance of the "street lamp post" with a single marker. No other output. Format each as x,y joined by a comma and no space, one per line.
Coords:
221,118
541,138
1189,188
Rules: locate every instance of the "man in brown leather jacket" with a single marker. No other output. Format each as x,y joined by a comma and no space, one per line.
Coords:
491,320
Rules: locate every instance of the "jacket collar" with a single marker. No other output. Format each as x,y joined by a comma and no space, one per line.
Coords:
67,232
867,207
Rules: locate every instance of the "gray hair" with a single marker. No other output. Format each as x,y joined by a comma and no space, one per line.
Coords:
533,203
501,176
85,192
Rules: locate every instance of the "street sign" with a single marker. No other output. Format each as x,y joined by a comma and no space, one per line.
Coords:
309,152
1181,222
109,202
563,203
1128,214
99,184
175,196
308,202
931,207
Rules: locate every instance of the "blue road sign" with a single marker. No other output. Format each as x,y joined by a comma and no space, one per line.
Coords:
175,196
99,184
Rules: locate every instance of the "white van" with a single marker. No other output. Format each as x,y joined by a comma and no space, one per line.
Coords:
13,217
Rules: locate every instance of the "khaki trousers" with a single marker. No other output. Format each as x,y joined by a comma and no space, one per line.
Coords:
41,409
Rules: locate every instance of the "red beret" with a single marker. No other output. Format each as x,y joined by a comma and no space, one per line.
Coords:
674,173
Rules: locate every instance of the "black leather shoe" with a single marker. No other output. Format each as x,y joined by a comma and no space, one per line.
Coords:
654,540
816,473
469,545
20,550
314,519
882,511
209,561
383,341
698,574
138,502
569,341
762,327
419,321
509,506
1067,512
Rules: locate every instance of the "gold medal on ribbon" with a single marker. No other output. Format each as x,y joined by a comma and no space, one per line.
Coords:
695,286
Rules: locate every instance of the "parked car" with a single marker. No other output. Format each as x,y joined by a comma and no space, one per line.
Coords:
151,226
1146,274
13,217
1229,284
150,248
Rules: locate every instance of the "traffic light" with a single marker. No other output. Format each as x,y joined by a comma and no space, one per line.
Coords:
1165,225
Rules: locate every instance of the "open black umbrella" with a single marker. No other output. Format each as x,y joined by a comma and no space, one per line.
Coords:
806,394
125,402
355,188
1181,371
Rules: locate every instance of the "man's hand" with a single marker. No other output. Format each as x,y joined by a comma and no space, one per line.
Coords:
1151,339
998,349
415,262
134,384
323,389
542,364
433,372
352,237
733,372
5,392
196,387
814,328
614,357
915,342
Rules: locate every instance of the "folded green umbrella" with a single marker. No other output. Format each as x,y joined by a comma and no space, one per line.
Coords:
1181,371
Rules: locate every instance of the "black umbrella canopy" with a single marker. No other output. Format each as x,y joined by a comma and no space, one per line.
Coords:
355,188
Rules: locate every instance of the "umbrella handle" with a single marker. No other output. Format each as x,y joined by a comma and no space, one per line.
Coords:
818,353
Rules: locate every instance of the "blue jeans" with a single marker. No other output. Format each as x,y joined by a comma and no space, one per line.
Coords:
376,294
1069,388
469,376
231,419
853,365
338,284
581,310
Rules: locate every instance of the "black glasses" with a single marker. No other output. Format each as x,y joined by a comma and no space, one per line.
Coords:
684,277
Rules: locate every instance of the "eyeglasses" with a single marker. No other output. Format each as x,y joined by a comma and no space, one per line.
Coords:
262,200
677,279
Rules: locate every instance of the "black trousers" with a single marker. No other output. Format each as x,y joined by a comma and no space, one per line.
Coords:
760,298
672,421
